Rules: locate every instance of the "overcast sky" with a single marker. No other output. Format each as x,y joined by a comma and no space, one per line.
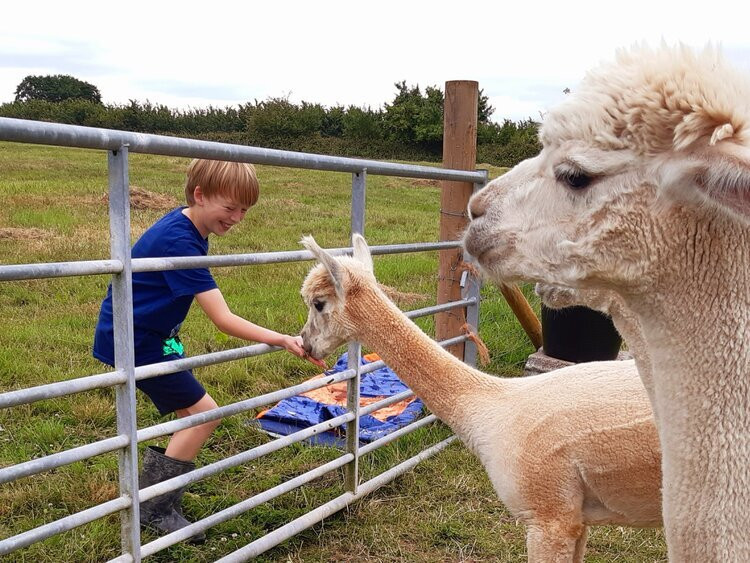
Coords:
221,53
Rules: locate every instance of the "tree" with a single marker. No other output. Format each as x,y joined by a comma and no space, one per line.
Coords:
484,110
416,117
56,88
413,117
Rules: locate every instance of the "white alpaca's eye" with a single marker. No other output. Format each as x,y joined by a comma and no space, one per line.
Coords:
319,305
575,180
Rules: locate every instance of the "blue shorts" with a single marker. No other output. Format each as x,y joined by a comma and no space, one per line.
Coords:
172,391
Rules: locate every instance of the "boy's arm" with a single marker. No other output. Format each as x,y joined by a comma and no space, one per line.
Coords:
213,304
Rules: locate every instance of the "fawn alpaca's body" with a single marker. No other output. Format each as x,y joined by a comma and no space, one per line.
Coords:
563,450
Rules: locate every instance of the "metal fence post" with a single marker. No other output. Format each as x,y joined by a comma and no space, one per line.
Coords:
122,309
351,479
359,180
359,190
470,289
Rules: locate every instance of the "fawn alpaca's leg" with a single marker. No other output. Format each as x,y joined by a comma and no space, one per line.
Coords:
581,546
555,542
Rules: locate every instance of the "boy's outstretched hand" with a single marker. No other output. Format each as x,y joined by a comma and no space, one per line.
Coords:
294,345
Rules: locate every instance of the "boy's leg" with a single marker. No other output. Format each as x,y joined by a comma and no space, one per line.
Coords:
167,391
160,513
185,444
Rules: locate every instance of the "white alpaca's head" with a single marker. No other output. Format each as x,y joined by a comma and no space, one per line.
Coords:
326,290
646,148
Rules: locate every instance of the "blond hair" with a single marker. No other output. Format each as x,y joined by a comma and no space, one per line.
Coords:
234,180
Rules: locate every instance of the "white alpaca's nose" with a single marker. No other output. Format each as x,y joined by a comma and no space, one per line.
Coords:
478,204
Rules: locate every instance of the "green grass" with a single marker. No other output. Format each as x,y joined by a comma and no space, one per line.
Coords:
54,209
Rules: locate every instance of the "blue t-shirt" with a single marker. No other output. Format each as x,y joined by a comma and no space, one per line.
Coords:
161,300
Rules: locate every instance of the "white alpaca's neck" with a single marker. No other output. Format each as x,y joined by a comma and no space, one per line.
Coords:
698,337
442,381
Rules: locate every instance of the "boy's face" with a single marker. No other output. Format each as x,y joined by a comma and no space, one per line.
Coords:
216,214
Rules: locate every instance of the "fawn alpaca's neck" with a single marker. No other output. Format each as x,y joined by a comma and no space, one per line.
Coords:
442,381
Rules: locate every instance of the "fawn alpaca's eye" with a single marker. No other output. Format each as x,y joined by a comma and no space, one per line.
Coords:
319,305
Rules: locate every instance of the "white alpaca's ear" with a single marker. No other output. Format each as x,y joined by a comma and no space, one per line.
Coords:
362,252
330,263
719,174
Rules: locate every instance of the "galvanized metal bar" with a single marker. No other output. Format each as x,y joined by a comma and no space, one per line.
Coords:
41,533
66,457
351,475
240,458
471,290
82,268
396,434
59,269
381,404
414,313
80,453
371,408
243,506
60,388
173,426
152,370
359,191
77,454
373,366
271,493
27,131
176,263
162,368
77,385
311,518
122,319
454,340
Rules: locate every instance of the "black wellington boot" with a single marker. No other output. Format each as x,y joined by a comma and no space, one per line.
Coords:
163,513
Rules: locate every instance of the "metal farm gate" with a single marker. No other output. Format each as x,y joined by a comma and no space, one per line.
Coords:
118,145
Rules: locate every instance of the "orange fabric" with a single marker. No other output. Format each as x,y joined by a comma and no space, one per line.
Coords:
335,394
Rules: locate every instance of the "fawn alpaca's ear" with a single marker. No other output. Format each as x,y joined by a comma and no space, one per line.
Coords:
329,262
362,252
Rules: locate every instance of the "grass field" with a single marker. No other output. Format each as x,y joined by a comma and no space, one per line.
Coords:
54,209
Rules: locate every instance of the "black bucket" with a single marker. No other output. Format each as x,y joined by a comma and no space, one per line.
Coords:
579,334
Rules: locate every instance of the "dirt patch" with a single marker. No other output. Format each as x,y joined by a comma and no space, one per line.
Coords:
426,182
21,233
287,203
141,198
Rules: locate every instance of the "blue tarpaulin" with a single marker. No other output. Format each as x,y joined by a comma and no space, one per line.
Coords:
302,411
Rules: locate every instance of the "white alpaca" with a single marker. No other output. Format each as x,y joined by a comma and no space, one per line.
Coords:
564,450
642,189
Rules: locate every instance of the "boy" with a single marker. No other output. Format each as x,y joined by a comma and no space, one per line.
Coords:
218,196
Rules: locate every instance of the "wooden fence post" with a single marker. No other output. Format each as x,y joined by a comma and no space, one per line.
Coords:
460,153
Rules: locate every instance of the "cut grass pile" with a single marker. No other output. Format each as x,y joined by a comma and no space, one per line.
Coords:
54,209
